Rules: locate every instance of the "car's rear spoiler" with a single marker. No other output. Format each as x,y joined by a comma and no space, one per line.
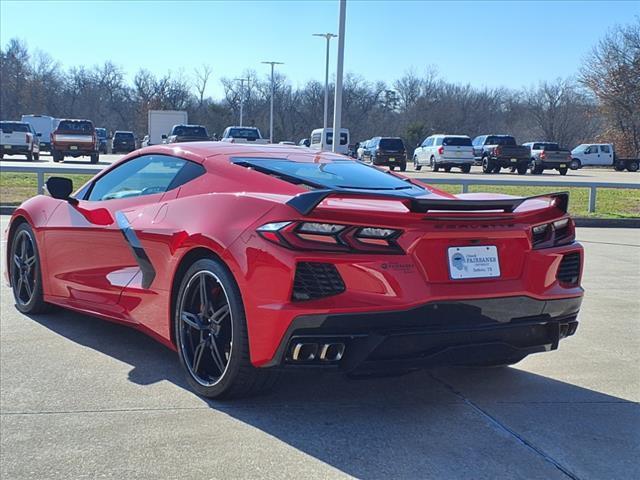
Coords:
306,202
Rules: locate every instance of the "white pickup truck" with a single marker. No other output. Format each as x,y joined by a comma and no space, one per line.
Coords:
601,154
19,138
243,135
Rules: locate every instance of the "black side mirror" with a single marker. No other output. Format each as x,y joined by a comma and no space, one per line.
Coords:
61,188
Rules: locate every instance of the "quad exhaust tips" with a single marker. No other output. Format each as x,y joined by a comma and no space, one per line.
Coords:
303,352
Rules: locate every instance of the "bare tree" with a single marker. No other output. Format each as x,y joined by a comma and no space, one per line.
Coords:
202,75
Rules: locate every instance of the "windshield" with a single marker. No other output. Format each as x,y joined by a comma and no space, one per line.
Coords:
500,140
391,144
76,126
456,142
183,131
246,133
334,175
9,127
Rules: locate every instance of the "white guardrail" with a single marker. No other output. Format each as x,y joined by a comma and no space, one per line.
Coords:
465,182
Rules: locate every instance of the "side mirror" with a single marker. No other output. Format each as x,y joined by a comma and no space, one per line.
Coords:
164,137
61,188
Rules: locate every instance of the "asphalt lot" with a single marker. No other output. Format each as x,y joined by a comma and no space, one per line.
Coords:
587,175
84,398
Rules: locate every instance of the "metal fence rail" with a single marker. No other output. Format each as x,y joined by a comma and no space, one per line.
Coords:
40,172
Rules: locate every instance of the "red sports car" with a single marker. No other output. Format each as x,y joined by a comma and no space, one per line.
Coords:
251,259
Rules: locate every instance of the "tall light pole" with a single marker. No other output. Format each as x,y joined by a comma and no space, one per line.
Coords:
328,36
272,90
337,105
241,80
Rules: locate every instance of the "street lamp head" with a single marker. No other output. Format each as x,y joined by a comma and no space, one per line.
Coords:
328,36
273,63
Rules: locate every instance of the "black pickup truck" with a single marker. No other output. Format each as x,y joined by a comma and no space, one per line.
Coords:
187,133
494,152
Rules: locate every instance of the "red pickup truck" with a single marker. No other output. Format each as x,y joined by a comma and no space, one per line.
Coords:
75,138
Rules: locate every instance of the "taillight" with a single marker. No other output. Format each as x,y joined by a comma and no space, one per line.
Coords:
497,150
27,138
552,234
331,237
543,156
441,150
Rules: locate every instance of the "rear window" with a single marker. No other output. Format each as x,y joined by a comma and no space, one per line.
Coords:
84,126
124,135
190,131
250,134
9,127
391,144
343,138
101,132
500,140
456,142
337,174
549,147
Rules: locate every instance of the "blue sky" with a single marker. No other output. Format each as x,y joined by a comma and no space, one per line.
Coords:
509,44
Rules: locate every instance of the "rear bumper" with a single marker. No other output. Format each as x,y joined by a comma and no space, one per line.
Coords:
454,161
434,334
510,161
386,159
77,151
15,149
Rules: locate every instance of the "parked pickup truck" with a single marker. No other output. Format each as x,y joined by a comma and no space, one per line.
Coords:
243,135
494,152
601,154
75,138
19,138
187,133
548,155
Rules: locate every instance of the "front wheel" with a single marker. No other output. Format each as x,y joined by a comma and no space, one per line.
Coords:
25,273
211,334
416,166
575,164
563,170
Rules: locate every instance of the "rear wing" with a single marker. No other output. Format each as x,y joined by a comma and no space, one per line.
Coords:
306,202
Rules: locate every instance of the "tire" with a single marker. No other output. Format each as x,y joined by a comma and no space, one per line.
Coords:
487,165
57,157
563,171
416,166
536,169
25,272
633,166
223,300
36,157
433,164
575,164
447,169
30,157
95,157
465,168
403,167
522,169
618,167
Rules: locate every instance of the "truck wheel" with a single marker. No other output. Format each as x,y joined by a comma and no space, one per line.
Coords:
30,157
55,156
575,164
487,165
632,166
403,166
618,167
465,168
522,168
563,171
95,157
416,166
36,156
434,165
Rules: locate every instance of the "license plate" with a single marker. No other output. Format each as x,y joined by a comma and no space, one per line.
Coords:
473,262
8,147
563,165
514,160
392,159
73,147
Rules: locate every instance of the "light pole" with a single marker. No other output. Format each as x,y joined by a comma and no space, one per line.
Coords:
328,36
272,89
241,80
337,105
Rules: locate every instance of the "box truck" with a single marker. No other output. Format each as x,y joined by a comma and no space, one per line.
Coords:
162,121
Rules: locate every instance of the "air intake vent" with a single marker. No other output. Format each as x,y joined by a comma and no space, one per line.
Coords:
569,270
316,280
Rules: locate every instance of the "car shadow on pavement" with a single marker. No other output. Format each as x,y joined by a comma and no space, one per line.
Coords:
444,423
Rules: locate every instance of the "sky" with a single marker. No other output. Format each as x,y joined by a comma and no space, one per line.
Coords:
511,44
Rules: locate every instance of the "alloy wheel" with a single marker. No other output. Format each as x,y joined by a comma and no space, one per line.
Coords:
23,268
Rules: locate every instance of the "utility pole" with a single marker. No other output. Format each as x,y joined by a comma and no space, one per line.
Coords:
337,105
241,80
272,92
328,37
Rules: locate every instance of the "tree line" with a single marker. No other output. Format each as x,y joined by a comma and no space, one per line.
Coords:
600,103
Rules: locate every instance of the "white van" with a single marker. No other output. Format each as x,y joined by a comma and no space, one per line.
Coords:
322,139
44,126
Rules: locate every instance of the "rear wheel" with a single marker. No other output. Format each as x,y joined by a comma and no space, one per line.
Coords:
57,156
633,166
487,165
522,168
434,165
36,156
211,334
465,168
95,157
25,273
563,171
30,157
403,166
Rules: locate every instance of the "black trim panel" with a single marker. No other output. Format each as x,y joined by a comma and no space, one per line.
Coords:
148,272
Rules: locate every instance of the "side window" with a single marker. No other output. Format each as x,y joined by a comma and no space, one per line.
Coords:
144,175
439,141
592,149
316,137
605,149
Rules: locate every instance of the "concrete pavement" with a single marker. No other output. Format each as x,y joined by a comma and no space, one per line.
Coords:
84,398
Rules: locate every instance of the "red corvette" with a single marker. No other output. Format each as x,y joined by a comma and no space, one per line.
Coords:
252,259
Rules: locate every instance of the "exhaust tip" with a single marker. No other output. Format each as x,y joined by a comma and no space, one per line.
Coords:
332,352
304,352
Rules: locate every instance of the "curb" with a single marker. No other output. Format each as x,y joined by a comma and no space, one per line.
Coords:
580,221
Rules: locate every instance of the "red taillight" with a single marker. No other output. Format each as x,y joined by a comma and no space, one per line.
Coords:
558,232
331,237
497,150
441,150
543,156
